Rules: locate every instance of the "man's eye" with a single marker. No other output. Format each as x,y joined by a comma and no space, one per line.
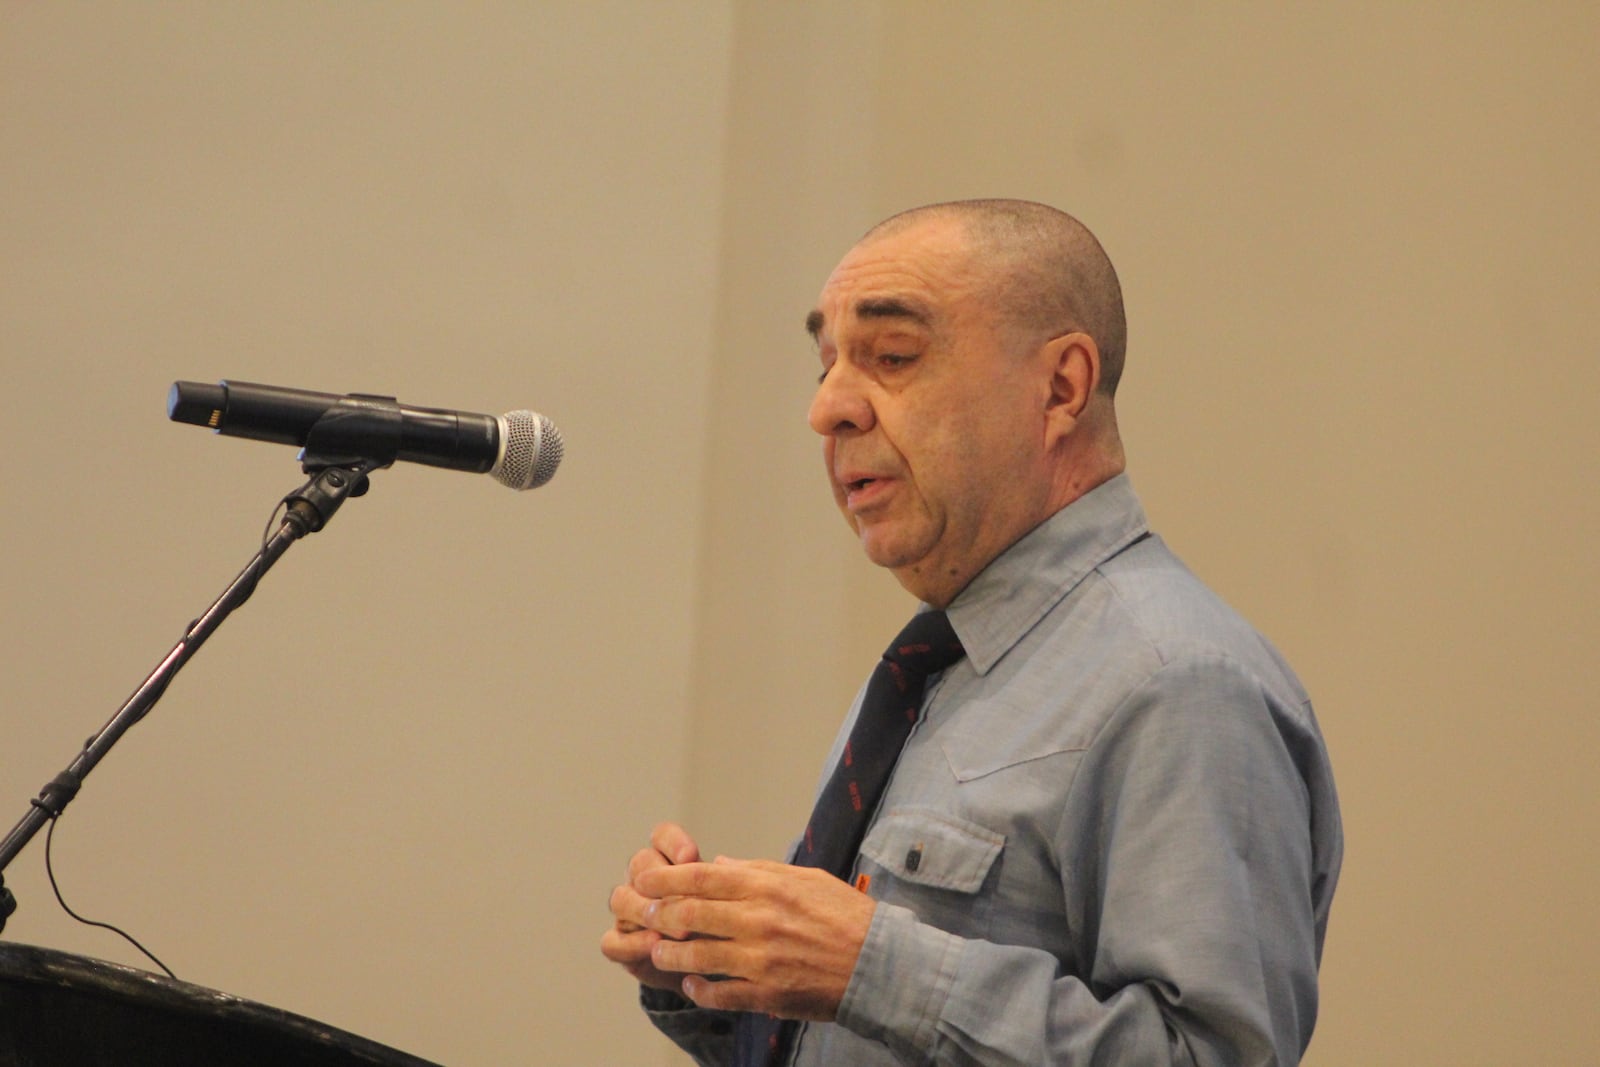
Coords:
894,360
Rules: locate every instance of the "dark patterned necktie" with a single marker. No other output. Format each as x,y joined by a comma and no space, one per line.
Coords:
846,804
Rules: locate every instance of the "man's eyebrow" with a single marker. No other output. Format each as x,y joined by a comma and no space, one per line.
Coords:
884,307
889,307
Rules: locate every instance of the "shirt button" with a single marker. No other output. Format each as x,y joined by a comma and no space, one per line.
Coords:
914,858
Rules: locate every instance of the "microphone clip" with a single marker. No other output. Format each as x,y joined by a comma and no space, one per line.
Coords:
358,430
353,438
311,506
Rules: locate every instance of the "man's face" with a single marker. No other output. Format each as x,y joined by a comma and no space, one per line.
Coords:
932,414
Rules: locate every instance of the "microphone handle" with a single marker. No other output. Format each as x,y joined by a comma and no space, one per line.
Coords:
456,440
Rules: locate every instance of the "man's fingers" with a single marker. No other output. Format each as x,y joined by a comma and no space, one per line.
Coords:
628,948
731,994
784,938
754,865
669,844
715,881
674,843
643,860
631,951
630,940
628,907
695,956
681,918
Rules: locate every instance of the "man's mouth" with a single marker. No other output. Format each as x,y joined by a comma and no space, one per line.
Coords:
864,492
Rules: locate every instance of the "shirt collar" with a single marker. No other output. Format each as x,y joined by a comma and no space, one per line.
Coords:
1025,581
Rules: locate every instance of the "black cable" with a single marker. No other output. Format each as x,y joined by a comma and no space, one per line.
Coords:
266,536
49,869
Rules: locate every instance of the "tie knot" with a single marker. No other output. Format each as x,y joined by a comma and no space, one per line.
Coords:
927,644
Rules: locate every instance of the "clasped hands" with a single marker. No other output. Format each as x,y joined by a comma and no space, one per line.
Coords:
777,938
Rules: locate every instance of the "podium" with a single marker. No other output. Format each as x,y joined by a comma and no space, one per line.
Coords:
61,1010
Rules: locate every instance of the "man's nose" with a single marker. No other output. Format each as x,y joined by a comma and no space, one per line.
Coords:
841,404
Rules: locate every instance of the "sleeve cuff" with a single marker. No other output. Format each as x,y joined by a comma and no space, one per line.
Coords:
705,1034
901,982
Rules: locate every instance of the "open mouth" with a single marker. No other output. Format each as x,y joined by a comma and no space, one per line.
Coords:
859,483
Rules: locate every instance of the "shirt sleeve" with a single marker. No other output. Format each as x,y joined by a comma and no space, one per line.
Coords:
703,1033
1187,875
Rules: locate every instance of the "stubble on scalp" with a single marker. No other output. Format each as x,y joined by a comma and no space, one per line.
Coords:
1048,274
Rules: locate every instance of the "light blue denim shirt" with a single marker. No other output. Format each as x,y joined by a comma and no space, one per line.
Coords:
1112,838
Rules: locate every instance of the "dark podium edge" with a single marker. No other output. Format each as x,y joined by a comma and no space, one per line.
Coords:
48,997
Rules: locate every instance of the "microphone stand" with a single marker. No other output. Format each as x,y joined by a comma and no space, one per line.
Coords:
339,454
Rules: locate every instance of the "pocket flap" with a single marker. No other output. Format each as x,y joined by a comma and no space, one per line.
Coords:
933,849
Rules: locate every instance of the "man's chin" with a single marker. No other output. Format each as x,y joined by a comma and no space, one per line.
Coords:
888,550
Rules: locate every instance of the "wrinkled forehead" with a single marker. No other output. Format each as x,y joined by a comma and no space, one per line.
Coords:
923,276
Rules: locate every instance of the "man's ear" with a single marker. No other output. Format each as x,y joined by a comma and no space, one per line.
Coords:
1074,363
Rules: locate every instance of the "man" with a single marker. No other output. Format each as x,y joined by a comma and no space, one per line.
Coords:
1112,834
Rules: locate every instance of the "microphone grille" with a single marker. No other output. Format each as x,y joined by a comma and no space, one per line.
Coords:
531,450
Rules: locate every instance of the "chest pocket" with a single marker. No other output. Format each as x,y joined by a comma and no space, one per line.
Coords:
932,850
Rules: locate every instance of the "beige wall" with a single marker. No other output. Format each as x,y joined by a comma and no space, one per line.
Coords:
1357,245
394,791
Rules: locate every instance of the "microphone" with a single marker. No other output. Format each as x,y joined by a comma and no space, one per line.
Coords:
520,449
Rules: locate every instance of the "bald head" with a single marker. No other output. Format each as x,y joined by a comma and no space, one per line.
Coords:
1047,273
